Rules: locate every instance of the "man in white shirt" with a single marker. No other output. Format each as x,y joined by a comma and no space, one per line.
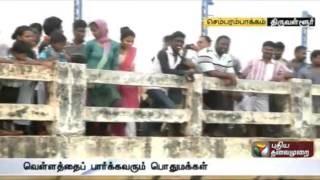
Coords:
217,63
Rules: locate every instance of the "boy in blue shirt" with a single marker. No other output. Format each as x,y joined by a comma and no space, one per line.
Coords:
55,51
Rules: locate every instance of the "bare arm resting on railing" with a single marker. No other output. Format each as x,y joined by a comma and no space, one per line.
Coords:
212,67
284,73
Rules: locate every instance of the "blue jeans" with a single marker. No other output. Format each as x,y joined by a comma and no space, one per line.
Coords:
159,100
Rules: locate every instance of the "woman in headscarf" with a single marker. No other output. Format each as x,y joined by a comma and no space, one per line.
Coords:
101,53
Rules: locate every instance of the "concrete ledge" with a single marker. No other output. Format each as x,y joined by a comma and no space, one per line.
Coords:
108,114
242,117
25,72
26,112
122,147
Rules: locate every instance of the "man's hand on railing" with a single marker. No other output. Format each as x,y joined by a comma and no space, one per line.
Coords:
189,75
231,80
278,78
49,64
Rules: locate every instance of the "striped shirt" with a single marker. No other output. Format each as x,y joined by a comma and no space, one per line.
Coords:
209,60
259,69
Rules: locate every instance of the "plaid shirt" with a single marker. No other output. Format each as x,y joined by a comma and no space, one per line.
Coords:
256,69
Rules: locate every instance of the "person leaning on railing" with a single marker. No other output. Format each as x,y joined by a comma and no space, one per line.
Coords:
129,94
18,91
312,72
264,69
101,54
216,62
168,61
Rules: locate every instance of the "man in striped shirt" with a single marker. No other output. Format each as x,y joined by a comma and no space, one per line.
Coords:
265,69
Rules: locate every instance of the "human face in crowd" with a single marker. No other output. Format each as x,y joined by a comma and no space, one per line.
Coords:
301,55
79,34
28,37
58,47
222,46
267,52
127,42
278,53
95,31
177,44
37,35
316,61
202,43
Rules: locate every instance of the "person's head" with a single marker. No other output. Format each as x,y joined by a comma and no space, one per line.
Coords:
315,58
267,50
25,34
127,37
177,41
57,41
222,45
166,41
300,53
204,42
99,29
37,30
79,30
278,50
20,50
52,24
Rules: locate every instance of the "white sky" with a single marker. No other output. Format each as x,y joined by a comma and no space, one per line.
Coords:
153,19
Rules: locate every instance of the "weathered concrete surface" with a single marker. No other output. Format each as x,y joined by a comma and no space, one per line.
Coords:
194,104
301,105
25,72
138,147
253,86
315,91
108,114
135,79
68,92
242,117
26,111
28,147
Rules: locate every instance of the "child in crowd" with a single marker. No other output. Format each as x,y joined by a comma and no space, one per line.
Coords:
75,49
55,51
17,91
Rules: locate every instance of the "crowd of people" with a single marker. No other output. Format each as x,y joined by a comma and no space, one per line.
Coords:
205,56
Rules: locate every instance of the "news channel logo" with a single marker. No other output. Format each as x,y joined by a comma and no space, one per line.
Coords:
260,149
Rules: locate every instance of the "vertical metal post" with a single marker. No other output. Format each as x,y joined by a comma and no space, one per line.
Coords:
204,14
304,31
77,9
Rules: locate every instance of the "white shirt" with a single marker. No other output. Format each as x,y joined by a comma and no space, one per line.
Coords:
269,72
209,60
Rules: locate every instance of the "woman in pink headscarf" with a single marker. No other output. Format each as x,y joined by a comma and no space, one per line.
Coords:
101,53
129,94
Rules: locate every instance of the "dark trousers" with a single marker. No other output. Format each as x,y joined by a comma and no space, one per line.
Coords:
159,100
8,95
216,100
